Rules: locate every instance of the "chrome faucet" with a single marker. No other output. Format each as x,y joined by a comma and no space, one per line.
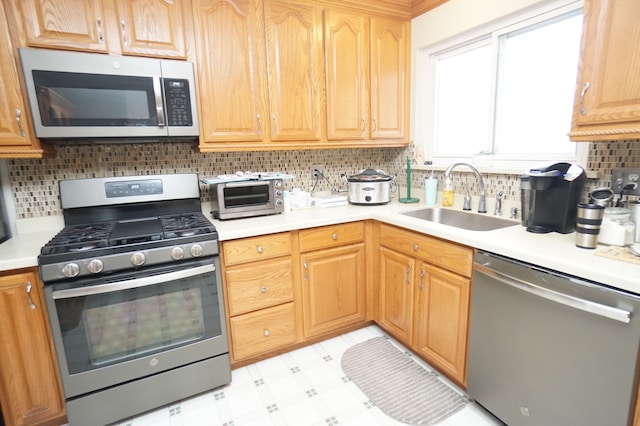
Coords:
482,204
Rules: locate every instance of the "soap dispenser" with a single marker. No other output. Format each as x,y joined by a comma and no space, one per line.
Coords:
467,199
447,193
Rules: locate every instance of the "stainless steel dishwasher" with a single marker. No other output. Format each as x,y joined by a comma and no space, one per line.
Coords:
549,349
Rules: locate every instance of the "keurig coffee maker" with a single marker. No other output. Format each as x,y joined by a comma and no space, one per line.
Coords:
549,197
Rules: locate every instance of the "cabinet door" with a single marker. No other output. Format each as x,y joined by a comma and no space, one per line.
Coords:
29,383
390,64
294,62
230,61
346,40
65,24
16,137
607,103
333,289
152,27
441,320
396,294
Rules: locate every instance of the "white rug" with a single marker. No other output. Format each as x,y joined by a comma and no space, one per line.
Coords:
398,385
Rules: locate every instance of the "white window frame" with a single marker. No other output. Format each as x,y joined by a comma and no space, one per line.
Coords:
425,86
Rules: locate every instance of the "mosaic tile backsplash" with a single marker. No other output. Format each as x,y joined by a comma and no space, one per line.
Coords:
35,182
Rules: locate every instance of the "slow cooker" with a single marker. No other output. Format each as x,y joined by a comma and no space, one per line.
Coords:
370,187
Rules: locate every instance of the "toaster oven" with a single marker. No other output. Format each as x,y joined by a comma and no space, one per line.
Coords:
258,197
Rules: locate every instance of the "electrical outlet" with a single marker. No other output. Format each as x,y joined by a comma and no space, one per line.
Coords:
622,177
314,172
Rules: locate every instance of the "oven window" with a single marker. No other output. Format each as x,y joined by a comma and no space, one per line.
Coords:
243,196
103,329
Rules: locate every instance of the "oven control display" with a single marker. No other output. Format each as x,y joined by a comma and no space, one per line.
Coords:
133,188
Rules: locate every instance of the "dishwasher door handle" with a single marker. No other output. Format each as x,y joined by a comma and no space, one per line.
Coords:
617,314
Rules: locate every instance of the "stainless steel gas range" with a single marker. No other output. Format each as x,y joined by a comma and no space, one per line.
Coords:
134,296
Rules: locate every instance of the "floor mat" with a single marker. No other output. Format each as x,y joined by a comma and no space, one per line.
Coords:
398,385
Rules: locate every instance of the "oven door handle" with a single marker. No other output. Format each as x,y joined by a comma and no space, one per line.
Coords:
135,283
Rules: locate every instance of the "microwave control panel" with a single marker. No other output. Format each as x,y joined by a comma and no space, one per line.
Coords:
178,101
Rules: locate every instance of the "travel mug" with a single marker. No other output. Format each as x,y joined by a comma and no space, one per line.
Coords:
430,190
588,221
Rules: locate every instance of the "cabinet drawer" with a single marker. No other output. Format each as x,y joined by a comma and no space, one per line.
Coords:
262,331
256,248
253,287
445,254
331,236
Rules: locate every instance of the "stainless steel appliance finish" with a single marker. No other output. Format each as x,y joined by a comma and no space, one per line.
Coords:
548,349
370,187
93,96
134,296
247,198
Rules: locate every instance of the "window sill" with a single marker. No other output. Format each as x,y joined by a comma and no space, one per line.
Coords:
591,174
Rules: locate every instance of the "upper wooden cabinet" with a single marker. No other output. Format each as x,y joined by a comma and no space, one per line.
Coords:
230,64
294,68
16,136
607,102
131,27
367,63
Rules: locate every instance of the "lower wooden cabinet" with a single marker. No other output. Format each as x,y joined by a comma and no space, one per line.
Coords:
425,286
30,390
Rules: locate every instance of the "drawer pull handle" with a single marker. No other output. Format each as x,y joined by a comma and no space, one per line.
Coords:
334,236
31,304
266,333
416,247
263,289
260,249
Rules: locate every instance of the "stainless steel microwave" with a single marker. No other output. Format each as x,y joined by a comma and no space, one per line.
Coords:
258,197
76,95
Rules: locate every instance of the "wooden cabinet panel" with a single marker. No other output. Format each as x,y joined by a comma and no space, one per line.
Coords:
258,332
259,286
65,24
446,254
230,64
396,294
333,288
30,390
331,236
16,137
441,320
256,248
346,38
607,102
390,62
294,68
152,27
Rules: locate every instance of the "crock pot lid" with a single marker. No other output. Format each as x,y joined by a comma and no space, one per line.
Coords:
369,175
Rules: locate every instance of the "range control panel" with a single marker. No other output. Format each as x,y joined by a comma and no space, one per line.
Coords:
627,179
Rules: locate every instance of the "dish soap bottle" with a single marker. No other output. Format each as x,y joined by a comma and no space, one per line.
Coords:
447,193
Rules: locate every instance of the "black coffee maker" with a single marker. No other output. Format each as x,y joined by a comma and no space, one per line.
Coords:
549,197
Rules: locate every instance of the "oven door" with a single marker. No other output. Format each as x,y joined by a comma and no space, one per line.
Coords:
113,330
247,198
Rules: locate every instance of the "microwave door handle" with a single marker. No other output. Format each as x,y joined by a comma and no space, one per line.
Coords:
157,91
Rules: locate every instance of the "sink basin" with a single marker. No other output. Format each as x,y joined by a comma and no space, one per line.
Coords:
462,219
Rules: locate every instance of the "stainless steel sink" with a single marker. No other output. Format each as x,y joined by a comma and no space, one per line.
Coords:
462,219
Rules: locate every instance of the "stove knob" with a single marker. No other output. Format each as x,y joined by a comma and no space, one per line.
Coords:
138,259
71,270
95,266
177,253
196,250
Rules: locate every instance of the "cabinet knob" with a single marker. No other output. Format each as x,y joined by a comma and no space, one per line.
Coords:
416,247
263,289
266,333
334,236
260,249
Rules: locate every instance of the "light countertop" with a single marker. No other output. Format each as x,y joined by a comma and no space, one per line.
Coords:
554,251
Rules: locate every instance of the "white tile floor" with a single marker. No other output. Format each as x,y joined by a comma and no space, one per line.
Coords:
302,387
